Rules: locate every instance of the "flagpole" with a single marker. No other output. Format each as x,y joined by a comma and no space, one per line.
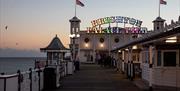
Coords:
75,7
0,38
1,8
159,9
179,7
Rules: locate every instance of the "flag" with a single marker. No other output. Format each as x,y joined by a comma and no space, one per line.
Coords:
163,2
79,3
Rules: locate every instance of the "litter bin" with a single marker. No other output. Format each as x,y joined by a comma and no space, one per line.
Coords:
76,65
69,67
49,78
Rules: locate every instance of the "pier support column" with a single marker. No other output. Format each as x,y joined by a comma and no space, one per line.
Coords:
123,56
150,66
94,51
130,63
109,45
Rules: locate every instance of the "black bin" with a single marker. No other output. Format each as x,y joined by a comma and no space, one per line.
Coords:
77,65
49,78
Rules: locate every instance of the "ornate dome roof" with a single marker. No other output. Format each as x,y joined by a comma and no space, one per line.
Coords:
75,19
55,44
159,19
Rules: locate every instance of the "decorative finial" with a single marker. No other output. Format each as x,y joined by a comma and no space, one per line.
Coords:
166,25
56,35
172,22
179,19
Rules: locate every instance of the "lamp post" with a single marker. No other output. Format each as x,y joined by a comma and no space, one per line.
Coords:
73,45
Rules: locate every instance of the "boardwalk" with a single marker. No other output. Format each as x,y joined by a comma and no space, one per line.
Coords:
92,77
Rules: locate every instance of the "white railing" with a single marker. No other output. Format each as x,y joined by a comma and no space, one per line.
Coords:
145,71
166,76
32,80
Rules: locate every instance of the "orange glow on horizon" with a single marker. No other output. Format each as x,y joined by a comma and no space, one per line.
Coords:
30,41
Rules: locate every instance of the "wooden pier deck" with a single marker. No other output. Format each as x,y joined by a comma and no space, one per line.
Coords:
92,77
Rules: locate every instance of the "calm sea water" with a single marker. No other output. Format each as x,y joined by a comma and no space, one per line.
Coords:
11,65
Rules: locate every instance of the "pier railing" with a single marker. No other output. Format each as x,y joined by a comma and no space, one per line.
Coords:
31,80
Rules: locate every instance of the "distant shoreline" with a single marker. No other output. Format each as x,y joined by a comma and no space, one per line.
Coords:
24,57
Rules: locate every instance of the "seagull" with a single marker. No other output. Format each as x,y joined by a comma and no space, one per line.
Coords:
6,27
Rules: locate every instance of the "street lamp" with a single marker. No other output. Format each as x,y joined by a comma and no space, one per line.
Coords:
86,45
73,45
171,40
101,45
135,47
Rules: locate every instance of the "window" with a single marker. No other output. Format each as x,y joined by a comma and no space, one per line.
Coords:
86,40
158,58
169,58
101,40
134,58
116,40
134,36
73,30
157,28
146,57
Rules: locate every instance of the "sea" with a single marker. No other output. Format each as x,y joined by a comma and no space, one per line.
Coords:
10,65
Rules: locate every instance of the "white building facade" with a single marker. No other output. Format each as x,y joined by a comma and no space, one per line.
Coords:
104,35
157,54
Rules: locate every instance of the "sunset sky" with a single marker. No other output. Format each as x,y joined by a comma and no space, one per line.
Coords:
33,23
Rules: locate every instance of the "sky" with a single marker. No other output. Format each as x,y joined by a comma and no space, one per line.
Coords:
33,23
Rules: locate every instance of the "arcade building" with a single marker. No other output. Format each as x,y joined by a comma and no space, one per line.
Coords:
154,55
104,35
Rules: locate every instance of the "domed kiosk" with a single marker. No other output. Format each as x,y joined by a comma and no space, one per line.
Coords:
55,65
55,51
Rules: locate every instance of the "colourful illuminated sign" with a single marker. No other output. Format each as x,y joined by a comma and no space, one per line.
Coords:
132,30
135,29
116,19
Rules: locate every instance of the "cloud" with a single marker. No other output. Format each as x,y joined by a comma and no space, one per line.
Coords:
20,53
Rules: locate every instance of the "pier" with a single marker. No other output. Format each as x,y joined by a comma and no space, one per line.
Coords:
92,77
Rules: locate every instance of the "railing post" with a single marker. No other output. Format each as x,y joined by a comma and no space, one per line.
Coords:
130,51
132,71
4,82
30,78
19,80
126,70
